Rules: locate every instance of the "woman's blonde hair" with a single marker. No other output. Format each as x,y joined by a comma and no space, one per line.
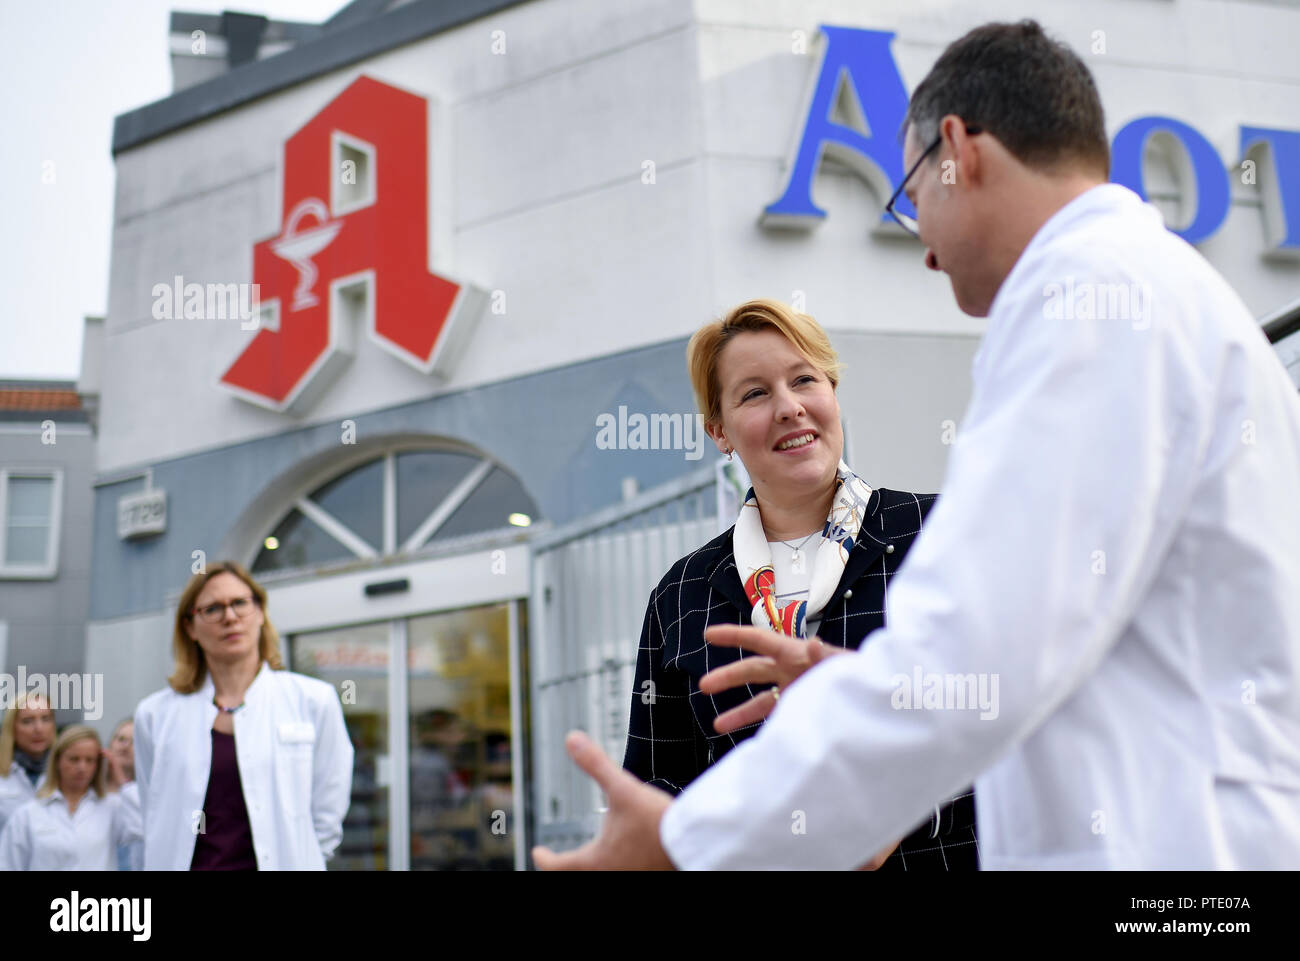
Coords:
70,736
189,667
8,727
706,345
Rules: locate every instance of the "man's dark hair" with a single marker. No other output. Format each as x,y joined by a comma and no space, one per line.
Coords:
1029,91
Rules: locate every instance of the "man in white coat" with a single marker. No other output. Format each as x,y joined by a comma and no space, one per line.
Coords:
1115,551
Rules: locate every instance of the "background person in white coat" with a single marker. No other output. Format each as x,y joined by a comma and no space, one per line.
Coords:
26,735
73,823
1117,542
241,764
120,758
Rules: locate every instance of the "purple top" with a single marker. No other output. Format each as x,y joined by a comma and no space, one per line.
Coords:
226,844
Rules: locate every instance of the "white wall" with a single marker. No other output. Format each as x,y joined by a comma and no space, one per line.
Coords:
134,655
1213,64
538,154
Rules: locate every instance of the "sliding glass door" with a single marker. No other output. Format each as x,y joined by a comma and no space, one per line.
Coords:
437,741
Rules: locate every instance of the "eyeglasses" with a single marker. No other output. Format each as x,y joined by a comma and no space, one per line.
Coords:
909,223
213,613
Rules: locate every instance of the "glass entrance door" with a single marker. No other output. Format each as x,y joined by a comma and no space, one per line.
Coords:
461,737
433,784
355,661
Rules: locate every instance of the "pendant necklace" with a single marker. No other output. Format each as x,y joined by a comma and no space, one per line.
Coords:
796,559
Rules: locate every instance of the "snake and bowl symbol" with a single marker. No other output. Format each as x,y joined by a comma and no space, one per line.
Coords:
300,246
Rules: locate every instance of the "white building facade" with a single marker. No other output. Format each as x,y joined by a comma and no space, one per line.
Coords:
478,232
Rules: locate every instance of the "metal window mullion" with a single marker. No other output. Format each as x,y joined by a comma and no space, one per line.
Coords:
390,504
604,622
586,626
399,791
56,522
448,507
4,516
517,745
567,690
537,669
335,528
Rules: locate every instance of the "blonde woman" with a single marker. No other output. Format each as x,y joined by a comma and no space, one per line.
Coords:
26,735
809,558
241,765
72,824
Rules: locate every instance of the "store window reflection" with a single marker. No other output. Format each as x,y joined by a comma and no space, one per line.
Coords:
355,661
462,814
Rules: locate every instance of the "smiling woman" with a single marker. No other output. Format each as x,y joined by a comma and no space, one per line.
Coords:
809,557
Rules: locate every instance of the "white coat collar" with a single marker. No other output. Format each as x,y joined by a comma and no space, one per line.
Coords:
16,770
208,691
1096,199
56,795
1102,197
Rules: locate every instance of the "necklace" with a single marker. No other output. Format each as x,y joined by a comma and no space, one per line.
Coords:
227,710
796,559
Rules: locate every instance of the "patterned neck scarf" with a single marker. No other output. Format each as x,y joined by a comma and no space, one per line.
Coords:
753,556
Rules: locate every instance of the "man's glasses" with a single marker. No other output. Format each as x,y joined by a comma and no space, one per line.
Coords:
213,613
909,223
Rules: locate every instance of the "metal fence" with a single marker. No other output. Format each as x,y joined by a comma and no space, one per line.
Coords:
590,586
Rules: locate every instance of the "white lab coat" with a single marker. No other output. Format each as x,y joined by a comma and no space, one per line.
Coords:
43,836
1118,540
15,791
295,767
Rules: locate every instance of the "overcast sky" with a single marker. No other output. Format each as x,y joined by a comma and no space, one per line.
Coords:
67,68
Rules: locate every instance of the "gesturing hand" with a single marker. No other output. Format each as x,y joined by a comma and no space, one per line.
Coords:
629,834
781,659
116,770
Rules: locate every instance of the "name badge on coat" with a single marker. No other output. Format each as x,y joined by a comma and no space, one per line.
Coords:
297,732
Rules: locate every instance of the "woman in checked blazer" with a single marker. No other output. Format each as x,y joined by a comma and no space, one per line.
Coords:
811,553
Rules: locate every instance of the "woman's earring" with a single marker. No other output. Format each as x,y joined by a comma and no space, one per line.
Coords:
728,453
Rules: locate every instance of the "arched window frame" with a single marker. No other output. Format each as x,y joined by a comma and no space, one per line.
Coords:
418,544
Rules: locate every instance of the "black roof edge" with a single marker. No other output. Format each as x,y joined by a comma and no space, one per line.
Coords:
66,416
183,21
355,12
297,31
1282,323
21,383
330,51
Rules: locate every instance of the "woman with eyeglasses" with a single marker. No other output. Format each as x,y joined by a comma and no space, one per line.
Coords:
241,764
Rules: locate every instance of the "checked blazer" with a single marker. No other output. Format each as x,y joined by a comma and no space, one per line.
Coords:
671,739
